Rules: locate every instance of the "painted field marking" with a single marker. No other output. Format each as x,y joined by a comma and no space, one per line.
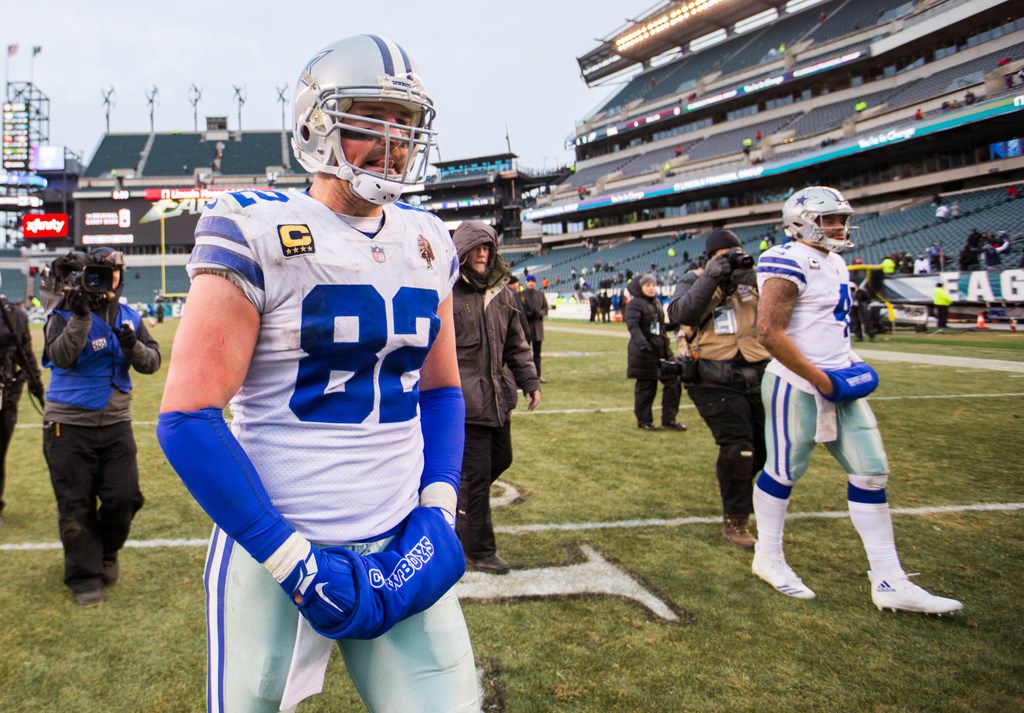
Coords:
582,526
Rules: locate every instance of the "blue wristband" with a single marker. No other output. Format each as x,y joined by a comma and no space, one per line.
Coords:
443,423
222,479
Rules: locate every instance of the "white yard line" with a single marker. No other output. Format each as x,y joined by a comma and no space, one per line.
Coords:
582,526
876,354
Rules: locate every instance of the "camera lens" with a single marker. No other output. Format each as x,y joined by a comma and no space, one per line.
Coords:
92,281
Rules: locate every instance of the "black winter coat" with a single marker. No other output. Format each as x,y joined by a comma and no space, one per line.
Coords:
648,343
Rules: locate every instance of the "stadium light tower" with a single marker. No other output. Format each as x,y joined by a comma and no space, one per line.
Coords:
194,95
151,100
108,103
283,100
240,95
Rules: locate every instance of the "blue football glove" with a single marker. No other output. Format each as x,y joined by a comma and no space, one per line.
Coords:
320,583
854,382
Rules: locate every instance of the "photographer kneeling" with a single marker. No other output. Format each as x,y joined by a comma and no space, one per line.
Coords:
722,364
91,341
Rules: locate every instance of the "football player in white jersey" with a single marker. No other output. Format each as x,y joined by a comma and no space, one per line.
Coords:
813,392
324,317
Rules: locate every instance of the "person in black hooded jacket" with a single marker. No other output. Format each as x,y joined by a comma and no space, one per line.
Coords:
648,348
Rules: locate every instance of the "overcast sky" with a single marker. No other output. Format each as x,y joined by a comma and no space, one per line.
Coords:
486,64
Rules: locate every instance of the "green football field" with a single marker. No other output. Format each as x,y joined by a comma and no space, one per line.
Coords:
646,608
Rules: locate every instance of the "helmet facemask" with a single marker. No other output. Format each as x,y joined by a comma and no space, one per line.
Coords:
329,120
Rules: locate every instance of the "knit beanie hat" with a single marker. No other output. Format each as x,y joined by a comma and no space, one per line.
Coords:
721,238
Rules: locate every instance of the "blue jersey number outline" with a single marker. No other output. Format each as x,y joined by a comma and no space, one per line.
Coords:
842,309
353,403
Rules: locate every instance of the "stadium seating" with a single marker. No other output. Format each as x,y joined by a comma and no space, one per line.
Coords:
727,142
179,155
13,284
854,16
588,176
831,116
654,160
141,282
251,155
116,151
784,31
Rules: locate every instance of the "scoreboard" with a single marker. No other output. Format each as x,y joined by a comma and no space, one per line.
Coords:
15,136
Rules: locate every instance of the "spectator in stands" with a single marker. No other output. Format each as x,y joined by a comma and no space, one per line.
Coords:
968,259
1012,191
954,210
1020,75
918,115
969,97
906,264
941,213
648,347
486,314
536,311
922,265
544,283
941,301
994,249
936,256
1008,80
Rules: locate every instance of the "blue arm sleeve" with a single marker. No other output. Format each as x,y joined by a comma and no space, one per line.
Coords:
222,479
443,423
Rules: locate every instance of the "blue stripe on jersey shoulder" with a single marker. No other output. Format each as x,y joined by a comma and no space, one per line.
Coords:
385,54
239,264
769,270
406,206
220,227
780,261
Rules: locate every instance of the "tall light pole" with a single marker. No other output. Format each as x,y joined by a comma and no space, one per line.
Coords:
284,102
240,94
108,102
151,100
194,95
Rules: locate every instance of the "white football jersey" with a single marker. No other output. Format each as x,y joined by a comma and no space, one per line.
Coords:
329,409
820,326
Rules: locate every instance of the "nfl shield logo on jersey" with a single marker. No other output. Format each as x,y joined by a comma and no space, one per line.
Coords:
378,254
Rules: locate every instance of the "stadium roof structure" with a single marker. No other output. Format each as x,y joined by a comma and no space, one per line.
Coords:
491,158
665,26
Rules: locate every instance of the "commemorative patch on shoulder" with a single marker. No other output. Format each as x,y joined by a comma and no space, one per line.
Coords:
426,252
295,240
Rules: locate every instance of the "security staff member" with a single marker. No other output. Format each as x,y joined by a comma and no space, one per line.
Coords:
12,380
91,342
717,306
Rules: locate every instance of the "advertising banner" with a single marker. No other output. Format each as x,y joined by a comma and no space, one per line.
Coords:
44,225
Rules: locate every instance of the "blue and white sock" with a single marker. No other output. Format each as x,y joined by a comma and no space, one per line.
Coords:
771,499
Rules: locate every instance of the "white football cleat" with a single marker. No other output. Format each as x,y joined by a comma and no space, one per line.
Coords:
774,570
899,593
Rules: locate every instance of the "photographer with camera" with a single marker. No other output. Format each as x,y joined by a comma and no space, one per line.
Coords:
649,356
91,342
722,364
17,366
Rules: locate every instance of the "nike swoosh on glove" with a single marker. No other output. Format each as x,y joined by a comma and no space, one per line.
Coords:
323,588
854,382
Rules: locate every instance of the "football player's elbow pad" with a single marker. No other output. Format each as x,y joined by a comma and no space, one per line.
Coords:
854,382
222,479
443,423
421,563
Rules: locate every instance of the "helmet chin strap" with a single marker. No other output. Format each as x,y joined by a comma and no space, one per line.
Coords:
370,188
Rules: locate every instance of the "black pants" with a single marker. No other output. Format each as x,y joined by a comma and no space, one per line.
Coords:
736,419
488,454
8,419
941,315
536,357
862,321
643,400
89,464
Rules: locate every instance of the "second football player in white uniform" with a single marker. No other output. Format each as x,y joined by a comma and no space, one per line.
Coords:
813,392
325,318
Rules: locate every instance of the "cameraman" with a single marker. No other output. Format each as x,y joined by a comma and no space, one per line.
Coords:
91,341
722,368
17,365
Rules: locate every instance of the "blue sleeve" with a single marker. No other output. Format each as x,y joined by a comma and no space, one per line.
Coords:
443,423
222,479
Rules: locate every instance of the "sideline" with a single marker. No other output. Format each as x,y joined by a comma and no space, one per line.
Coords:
1016,367
581,526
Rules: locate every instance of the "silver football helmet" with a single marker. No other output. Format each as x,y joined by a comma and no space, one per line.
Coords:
357,69
802,212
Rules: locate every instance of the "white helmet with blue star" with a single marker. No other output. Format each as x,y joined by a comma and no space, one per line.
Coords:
802,213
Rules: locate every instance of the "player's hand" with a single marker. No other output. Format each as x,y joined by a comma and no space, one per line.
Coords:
532,400
854,382
127,338
824,385
322,586
718,268
78,302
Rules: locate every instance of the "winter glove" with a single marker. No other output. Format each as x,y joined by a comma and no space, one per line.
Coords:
718,268
78,302
126,338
